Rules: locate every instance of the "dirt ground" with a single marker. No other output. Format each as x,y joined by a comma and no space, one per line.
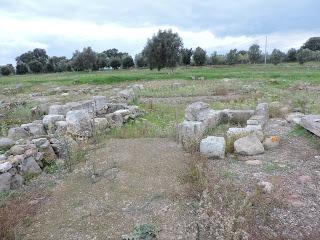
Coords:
136,182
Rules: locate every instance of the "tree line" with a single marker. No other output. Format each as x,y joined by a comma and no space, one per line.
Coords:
164,50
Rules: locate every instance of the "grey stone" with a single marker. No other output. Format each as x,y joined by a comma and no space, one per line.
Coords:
239,116
39,141
50,120
101,123
213,147
267,187
311,123
5,180
4,167
249,145
35,129
6,143
17,133
137,87
112,107
17,150
61,127
115,119
58,109
127,95
294,117
100,102
190,131
30,166
79,123
197,110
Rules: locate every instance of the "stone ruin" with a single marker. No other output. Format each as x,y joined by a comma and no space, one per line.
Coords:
247,140
29,147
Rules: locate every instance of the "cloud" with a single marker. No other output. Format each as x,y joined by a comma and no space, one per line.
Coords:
64,26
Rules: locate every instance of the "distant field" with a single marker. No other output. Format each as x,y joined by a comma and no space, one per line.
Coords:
290,72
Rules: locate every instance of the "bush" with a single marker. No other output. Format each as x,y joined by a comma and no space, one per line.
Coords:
115,63
7,70
141,61
36,66
304,55
292,55
199,56
312,44
127,62
85,60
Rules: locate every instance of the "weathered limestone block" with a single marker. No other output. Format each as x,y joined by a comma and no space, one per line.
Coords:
5,181
213,147
50,120
115,119
249,145
17,133
196,111
30,166
101,124
6,143
190,132
4,167
311,123
100,102
79,123
35,129
127,95
238,116
58,109
295,117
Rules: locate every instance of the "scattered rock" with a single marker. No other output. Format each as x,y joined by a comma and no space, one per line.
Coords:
238,116
294,117
127,95
34,129
6,143
50,120
267,187
58,109
197,110
16,181
100,102
190,131
271,142
249,145
253,162
213,147
101,123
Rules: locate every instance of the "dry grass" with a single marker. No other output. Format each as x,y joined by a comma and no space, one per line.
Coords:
17,209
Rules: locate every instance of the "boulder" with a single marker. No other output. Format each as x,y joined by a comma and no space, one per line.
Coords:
63,146
79,123
249,145
5,180
311,123
137,87
271,142
6,143
266,187
127,95
17,150
115,119
4,167
17,133
34,129
197,110
112,107
61,127
50,120
30,166
213,147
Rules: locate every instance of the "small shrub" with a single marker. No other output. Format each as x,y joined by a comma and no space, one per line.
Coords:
144,231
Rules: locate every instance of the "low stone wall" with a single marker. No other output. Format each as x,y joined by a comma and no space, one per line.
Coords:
28,148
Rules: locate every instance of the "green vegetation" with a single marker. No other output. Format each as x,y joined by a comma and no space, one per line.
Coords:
144,231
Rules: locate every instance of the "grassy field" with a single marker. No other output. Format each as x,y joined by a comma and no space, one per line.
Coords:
289,72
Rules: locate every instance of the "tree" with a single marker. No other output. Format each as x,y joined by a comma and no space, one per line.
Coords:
243,57
163,49
140,61
291,55
254,53
232,57
199,56
312,44
36,66
276,56
7,70
85,60
21,68
115,63
186,56
102,60
304,55
127,62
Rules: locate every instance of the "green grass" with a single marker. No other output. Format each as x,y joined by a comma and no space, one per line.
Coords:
287,72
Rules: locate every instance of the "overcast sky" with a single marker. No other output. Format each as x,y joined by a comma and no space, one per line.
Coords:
62,26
